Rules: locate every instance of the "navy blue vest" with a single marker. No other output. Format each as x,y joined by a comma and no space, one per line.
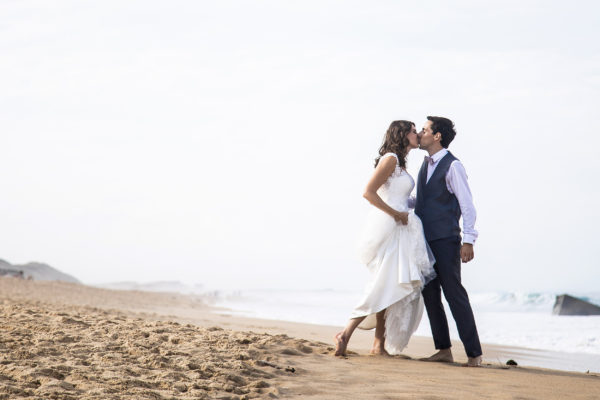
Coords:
436,206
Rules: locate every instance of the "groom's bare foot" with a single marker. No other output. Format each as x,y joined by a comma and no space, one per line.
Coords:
340,344
444,355
474,362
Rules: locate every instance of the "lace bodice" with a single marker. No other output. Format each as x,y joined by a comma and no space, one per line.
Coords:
398,187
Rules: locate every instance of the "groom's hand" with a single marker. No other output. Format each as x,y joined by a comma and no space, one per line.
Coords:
466,252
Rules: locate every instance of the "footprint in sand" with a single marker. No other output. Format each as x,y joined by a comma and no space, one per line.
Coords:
291,352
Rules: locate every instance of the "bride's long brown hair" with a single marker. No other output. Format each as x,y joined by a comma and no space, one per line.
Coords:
395,141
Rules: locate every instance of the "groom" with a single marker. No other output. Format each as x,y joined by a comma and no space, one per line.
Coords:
443,195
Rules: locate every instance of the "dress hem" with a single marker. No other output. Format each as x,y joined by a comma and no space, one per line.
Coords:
366,315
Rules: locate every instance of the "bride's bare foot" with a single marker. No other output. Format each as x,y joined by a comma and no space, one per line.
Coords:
444,355
474,362
340,344
378,349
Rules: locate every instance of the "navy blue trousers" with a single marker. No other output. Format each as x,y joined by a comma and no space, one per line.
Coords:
447,265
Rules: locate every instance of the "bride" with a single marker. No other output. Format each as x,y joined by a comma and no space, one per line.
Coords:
394,249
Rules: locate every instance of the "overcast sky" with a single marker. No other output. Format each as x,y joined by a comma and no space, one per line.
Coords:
228,143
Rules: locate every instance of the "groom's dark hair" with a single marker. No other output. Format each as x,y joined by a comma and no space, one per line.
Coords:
445,127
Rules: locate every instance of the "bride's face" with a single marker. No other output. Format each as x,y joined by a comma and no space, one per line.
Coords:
413,140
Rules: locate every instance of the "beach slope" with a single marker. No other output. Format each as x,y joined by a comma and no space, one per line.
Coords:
69,341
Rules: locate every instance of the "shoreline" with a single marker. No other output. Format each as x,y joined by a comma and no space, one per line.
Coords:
492,352
303,347
522,320
196,309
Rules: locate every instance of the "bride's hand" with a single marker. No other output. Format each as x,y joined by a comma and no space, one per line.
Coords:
401,217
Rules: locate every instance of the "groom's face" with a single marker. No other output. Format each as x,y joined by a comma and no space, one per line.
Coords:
426,136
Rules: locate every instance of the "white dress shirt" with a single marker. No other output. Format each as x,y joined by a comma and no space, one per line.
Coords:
456,182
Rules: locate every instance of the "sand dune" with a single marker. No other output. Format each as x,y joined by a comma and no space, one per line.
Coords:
69,341
37,271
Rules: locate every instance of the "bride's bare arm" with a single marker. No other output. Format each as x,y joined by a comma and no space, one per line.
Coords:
384,169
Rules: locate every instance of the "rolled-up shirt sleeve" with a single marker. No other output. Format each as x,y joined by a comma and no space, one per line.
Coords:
456,181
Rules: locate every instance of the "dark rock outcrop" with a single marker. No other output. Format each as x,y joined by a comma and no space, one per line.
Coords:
569,305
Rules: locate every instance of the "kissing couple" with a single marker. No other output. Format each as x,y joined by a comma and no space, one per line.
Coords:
413,257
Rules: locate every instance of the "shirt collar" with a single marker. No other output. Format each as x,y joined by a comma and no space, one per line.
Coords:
439,155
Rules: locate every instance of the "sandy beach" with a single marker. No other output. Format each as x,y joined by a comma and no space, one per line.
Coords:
70,341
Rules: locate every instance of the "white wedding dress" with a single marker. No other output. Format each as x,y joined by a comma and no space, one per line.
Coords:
400,264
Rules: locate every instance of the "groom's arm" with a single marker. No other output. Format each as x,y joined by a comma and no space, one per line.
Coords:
412,202
456,180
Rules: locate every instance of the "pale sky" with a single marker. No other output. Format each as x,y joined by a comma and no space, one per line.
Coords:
228,143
